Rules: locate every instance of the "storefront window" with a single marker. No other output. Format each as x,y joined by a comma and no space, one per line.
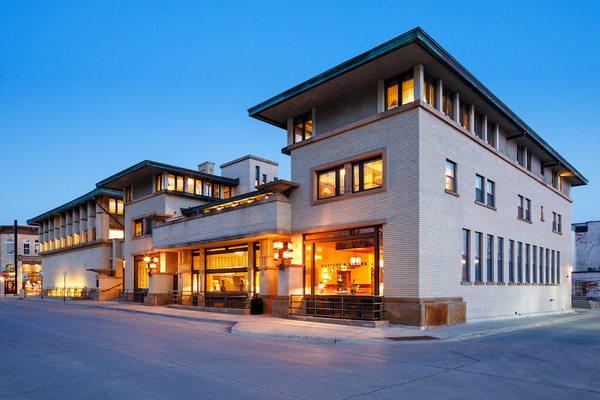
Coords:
227,269
350,264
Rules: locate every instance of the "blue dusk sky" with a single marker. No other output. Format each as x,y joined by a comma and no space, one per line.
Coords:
88,88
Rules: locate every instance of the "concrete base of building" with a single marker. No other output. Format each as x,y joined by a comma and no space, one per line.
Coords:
223,310
268,301
158,299
280,307
426,312
341,321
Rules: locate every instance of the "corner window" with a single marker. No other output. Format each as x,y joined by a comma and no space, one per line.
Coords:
331,183
303,127
451,185
367,175
399,91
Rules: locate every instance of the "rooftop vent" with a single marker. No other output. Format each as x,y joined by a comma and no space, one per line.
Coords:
207,167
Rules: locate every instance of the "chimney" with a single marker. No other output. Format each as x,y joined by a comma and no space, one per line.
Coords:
207,167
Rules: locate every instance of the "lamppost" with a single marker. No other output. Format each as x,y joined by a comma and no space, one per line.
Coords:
282,253
64,286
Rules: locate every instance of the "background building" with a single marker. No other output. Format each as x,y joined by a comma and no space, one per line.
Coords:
28,260
80,244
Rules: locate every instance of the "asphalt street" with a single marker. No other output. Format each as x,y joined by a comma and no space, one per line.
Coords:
66,351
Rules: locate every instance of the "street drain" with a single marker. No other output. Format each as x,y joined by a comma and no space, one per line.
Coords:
411,338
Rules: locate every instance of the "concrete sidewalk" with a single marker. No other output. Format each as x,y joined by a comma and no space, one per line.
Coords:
287,329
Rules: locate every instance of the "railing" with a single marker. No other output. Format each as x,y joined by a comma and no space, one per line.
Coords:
586,290
133,296
239,300
367,308
73,292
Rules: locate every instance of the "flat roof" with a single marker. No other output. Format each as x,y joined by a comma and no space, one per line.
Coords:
264,111
121,179
78,201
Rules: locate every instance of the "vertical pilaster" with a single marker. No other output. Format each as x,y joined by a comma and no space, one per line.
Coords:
91,221
439,101
83,223
380,96
472,118
497,136
484,132
102,222
456,108
419,79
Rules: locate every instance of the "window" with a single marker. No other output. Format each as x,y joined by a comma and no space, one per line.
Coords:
464,115
189,188
115,206
542,213
179,184
9,246
528,161
216,191
466,255
138,227
430,91
399,91
226,192
303,127
448,106
451,177
479,123
36,246
558,268
542,275
528,209
555,179
159,183
520,262
500,260
534,265
127,194
264,178
207,189
256,175
491,193
478,258
521,155
170,182
116,234
331,182
527,263
547,266
524,208
556,222
553,280
491,135
367,175
511,261
479,188
26,247
490,258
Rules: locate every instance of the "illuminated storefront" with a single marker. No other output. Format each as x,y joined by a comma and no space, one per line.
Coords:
32,278
346,262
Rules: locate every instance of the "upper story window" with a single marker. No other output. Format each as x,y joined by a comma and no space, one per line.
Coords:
159,183
448,104
256,175
138,227
491,134
367,174
194,186
36,247
26,247
556,222
521,155
464,115
226,192
175,182
331,182
9,246
127,194
491,193
479,121
303,127
479,188
528,160
216,190
451,185
399,90
430,91
524,208
115,206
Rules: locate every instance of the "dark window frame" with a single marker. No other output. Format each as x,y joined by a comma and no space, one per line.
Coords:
305,133
361,174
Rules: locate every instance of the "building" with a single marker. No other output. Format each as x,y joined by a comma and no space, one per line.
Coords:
416,183
81,246
586,267
28,260
164,246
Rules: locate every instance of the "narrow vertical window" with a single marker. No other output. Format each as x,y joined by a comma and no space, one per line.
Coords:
408,90
256,175
534,265
547,266
521,155
477,259
464,115
553,267
26,246
554,179
391,94
451,176
527,210
527,263
559,223
491,135
490,258
159,183
179,184
479,188
303,127
170,182
511,261
448,106
541,267
500,260
558,268
529,161
491,193
189,188
520,207
479,126
520,262
466,255
430,91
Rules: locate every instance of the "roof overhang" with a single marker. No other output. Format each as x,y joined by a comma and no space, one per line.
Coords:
387,60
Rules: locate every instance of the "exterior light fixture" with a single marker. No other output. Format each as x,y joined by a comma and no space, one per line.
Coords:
151,264
283,253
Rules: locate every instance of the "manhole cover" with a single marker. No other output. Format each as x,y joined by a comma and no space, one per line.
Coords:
409,338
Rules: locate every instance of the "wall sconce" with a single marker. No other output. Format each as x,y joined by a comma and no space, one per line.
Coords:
283,253
355,261
151,264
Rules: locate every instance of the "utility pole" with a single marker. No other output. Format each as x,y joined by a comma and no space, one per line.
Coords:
15,252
